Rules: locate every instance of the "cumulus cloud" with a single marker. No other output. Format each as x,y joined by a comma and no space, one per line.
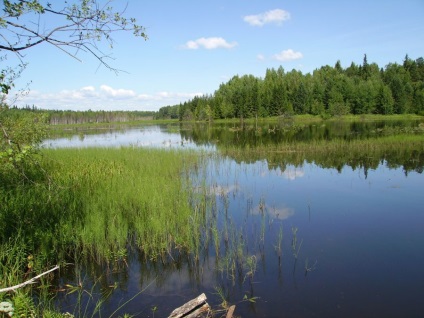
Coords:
103,98
209,44
118,93
287,55
276,16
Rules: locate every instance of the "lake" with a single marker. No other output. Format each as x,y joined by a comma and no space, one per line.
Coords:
288,238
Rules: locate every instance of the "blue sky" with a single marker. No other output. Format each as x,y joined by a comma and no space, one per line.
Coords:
194,46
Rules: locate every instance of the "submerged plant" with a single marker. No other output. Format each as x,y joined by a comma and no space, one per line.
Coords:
295,246
308,267
278,246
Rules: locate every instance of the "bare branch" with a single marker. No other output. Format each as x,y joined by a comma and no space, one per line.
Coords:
31,281
84,25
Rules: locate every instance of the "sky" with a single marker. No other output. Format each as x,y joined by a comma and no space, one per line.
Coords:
194,46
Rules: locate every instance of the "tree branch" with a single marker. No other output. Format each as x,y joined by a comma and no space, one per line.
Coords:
83,26
31,281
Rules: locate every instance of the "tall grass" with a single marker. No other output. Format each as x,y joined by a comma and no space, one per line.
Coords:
93,204
127,196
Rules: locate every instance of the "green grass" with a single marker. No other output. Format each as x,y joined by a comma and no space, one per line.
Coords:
93,204
307,118
127,196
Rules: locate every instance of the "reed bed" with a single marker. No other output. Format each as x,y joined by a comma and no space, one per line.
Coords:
127,196
81,205
97,203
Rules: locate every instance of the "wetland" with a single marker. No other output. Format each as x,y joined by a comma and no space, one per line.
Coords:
282,219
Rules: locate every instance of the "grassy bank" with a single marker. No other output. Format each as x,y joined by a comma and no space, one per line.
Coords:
94,204
307,118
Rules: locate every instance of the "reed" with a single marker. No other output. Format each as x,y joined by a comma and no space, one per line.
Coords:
94,204
295,247
124,196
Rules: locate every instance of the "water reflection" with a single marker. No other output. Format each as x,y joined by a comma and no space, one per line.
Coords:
353,234
148,136
316,235
273,212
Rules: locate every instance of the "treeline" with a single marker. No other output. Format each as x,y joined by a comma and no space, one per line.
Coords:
64,117
328,91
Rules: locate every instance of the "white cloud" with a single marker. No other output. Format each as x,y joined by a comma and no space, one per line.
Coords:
287,55
209,44
88,89
293,174
260,57
103,98
276,16
118,93
281,213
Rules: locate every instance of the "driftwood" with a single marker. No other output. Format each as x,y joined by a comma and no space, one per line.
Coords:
230,311
196,308
31,281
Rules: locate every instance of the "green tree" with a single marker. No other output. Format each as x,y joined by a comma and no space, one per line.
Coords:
384,101
328,90
418,101
365,69
336,104
399,81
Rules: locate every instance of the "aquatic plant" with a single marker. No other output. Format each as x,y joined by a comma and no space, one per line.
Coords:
294,245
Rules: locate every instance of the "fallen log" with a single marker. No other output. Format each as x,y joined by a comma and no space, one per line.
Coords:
195,308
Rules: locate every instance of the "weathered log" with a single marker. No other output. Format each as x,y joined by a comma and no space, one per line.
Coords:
230,311
195,308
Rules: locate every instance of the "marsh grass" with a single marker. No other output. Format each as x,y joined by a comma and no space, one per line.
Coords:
95,204
127,196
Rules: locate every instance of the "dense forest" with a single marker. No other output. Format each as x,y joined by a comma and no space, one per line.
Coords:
328,91
60,117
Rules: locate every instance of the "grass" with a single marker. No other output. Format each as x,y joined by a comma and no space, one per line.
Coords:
93,204
307,118
127,196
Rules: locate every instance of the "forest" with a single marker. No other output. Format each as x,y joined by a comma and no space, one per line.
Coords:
69,117
328,91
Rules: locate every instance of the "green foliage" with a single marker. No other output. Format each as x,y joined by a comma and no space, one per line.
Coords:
24,305
328,91
20,136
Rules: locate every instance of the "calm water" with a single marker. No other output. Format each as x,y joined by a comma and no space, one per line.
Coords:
163,136
316,242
